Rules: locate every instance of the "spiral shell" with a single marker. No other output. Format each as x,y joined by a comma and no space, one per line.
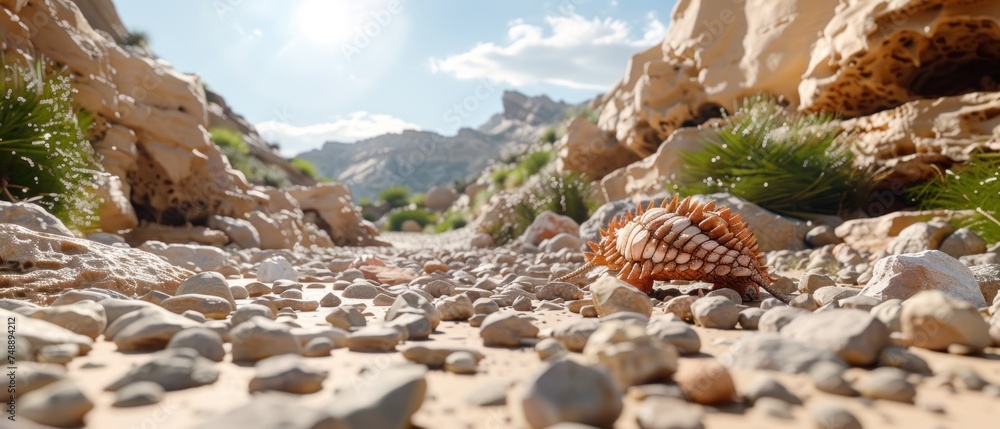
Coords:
683,240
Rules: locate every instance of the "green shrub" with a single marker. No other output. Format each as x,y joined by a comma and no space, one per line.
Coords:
136,38
534,162
306,167
568,194
421,216
499,177
973,188
396,196
515,178
226,138
365,202
789,164
551,135
45,157
418,199
232,145
451,220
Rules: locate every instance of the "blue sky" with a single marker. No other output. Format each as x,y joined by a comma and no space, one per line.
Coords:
307,71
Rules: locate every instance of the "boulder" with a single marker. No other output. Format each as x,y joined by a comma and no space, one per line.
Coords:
72,263
440,198
548,225
33,217
190,256
902,276
240,231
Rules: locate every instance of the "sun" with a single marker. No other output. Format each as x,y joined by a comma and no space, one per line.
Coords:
328,22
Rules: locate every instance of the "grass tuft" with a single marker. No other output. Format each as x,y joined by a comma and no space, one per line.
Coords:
795,165
568,194
973,188
421,216
396,196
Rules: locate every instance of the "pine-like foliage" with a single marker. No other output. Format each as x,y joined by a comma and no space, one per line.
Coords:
45,157
796,165
973,189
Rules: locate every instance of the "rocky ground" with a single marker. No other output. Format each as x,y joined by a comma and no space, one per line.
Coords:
435,333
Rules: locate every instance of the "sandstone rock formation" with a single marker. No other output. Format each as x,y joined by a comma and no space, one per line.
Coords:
39,267
924,70
589,150
330,204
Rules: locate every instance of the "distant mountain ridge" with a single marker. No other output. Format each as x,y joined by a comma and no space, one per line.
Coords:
423,159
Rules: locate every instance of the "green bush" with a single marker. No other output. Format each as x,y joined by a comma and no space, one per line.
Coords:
551,135
451,220
568,194
421,216
396,196
418,199
365,202
306,167
226,138
973,188
789,164
499,177
136,38
534,162
527,166
45,157
232,145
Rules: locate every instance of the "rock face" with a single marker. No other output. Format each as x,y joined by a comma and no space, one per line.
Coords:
589,150
331,203
926,107
39,266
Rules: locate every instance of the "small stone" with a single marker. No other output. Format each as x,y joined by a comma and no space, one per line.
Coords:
434,266
488,394
548,348
770,303
329,300
717,312
899,357
287,373
855,335
256,289
573,334
346,318
829,377
146,329
750,318
887,383
292,293
803,301
506,329
934,320
888,312
374,339
173,369
859,302
138,394
522,303
361,291
383,300
677,333
630,354
829,294
611,295
154,296
260,338
771,351
209,305
988,277
477,320
413,300
588,311
773,408
207,283
31,376
811,282
414,323
966,376
485,306
389,400
61,404
84,317
764,386
239,292
727,293
566,391
434,355
821,236
668,413
205,341
681,307
60,354
248,311
461,363
276,268
963,242
558,290
706,382
828,415
904,276
458,307
776,318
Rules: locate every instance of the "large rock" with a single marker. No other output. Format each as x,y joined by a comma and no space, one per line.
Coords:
770,351
876,233
611,295
40,266
190,256
240,231
390,398
440,198
548,225
630,354
935,320
34,334
902,276
337,214
856,336
564,391
589,150
33,217
921,236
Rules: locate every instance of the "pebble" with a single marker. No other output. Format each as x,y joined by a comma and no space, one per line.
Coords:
904,276
829,377
630,354
765,386
383,300
172,369
318,347
146,329
888,312
330,300
58,353
205,341
887,383
376,338
61,404
829,294
749,318
859,302
828,415
239,292
415,324
154,296
804,301
770,303
260,338
706,382
138,394
566,391
548,348
506,329
522,303
769,351
488,394
588,311
256,289
668,413
559,290
210,306
361,291
434,355
677,333
195,315
573,334
276,268
855,335
716,312
776,318
458,307
346,318
611,295
772,408
207,283
287,373
84,317
681,307
412,299
727,293
934,320
388,400
899,357
811,282
461,362
248,311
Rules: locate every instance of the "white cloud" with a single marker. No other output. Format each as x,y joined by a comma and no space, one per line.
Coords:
575,52
296,139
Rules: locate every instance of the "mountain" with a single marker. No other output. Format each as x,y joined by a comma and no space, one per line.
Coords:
422,159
